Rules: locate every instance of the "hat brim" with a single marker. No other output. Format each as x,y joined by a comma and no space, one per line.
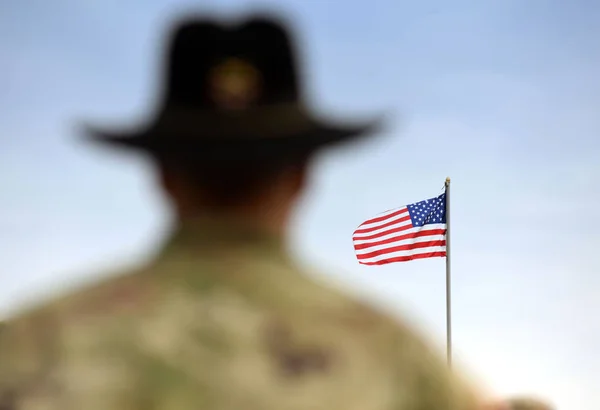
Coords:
246,144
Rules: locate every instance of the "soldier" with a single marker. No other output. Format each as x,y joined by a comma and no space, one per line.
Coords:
222,318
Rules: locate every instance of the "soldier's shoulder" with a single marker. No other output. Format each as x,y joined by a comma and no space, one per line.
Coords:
316,292
36,328
104,294
421,372
417,361
435,383
122,292
20,329
26,341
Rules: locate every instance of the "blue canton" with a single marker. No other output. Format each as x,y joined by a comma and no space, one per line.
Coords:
430,211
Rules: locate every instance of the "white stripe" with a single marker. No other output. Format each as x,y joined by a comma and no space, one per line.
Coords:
357,240
390,211
366,225
403,253
380,230
400,243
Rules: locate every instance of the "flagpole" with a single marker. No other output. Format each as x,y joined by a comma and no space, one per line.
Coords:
448,288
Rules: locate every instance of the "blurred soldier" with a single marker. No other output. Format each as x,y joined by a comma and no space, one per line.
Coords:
222,318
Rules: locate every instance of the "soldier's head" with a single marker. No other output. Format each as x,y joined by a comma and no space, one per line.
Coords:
250,187
234,132
527,403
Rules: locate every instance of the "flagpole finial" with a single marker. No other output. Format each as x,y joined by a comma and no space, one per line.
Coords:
447,180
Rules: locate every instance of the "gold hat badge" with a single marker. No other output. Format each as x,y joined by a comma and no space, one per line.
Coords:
234,84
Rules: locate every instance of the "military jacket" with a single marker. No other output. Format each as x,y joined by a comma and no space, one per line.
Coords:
221,319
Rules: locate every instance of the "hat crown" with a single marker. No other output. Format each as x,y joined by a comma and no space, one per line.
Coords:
213,66
233,91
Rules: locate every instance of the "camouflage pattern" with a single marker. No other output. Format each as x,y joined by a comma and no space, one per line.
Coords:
527,403
221,319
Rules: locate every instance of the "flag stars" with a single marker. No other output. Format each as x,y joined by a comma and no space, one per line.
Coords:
429,211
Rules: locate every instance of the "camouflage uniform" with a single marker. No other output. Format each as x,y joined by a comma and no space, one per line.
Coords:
221,319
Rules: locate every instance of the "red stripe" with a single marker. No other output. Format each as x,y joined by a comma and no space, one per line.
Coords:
405,258
399,248
384,217
399,238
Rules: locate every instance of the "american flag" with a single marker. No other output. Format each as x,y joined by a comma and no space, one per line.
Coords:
415,231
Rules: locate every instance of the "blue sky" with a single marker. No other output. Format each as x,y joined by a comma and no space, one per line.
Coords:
503,96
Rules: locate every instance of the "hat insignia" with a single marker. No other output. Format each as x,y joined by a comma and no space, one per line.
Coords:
234,84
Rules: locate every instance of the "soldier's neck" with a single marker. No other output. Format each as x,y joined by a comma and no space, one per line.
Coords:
272,220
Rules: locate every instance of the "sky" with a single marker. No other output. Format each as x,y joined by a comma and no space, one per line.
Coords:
502,96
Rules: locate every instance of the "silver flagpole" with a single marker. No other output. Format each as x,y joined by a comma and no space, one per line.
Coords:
448,293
